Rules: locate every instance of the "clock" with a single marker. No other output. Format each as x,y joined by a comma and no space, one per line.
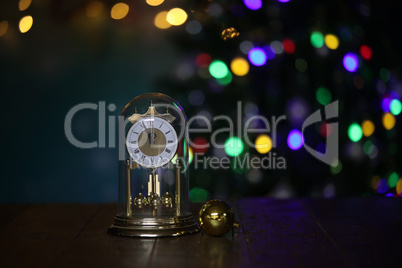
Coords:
151,142
153,198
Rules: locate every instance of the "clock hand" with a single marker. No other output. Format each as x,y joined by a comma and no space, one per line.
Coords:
146,130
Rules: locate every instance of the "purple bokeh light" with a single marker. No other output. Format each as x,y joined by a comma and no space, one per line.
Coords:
257,56
253,4
350,62
295,139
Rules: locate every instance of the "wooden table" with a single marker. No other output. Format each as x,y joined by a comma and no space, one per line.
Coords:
353,232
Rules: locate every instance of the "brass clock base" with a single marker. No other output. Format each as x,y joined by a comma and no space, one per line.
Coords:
153,227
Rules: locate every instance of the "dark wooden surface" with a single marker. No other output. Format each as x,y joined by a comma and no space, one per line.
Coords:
354,232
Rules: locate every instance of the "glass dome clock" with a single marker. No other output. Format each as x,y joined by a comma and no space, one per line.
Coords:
153,174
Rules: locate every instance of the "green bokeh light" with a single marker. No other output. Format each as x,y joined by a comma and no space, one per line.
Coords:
301,65
337,168
384,75
393,179
317,39
323,96
218,69
355,132
368,147
198,195
234,146
396,107
225,80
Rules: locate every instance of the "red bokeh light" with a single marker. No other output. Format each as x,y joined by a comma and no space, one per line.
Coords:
366,52
203,60
325,129
288,46
200,145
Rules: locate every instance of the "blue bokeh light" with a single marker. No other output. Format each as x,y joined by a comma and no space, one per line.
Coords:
295,139
257,56
253,4
350,62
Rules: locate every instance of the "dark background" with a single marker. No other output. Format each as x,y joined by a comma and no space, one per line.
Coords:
68,58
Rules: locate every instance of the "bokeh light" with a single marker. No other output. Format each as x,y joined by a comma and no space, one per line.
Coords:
288,46
295,139
257,56
301,65
234,146
218,69
386,105
203,60
366,52
253,4
190,155
24,4
160,20
350,62
283,1
336,167
176,16
155,3
323,96
263,144
355,132
198,195
200,145
239,66
119,11
3,27
382,186
331,41
393,179
388,121
395,107
368,128
399,187
25,24
94,9
317,39
193,27
225,80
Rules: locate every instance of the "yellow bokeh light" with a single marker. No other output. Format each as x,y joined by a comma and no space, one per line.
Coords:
399,187
388,120
26,24
368,128
263,144
155,3
3,27
119,11
331,41
24,4
374,182
160,20
94,9
239,66
176,16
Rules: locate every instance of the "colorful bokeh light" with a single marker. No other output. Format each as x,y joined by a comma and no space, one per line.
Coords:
368,128
257,56
323,95
253,4
26,24
160,20
234,146
350,62
393,179
119,11
366,52
331,41
386,105
355,132
154,3
198,195
24,4
388,121
239,66
203,60
288,46
218,69
317,39
3,27
395,107
263,144
295,139
176,16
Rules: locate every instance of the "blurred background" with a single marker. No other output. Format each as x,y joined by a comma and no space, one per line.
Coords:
278,57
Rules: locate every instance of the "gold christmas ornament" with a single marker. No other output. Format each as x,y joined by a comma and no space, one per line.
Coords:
229,33
217,218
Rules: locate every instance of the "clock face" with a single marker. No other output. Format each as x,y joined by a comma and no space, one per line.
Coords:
151,142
